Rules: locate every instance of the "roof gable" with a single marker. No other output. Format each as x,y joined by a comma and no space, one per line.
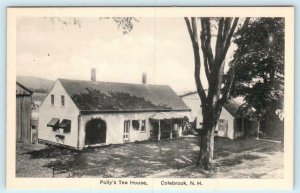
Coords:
57,89
110,96
233,107
22,90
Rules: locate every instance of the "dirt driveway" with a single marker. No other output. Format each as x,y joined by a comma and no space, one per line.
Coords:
242,158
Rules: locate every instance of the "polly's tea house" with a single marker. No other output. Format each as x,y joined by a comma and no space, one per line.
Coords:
80,113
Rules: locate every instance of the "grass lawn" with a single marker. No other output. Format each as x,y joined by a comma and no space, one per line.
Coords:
242,158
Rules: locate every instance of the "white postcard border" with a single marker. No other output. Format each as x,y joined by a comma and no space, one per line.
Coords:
153,183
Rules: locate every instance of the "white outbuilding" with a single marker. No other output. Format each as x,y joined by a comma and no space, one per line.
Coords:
232,123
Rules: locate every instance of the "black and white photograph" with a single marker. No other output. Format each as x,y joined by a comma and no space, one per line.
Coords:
148,94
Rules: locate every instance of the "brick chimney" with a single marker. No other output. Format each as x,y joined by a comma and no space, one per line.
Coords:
93,74
144,78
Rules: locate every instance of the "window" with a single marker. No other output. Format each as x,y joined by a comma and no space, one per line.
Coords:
222,125
136,124
200,125
59,137
65,125
62,97
126,130
52,99
143,126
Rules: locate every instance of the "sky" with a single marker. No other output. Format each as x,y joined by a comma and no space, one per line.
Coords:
160,47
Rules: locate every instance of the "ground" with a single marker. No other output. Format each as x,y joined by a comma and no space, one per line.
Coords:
242,158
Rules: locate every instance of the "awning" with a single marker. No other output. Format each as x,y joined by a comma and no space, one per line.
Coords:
53,123
166,115
65,123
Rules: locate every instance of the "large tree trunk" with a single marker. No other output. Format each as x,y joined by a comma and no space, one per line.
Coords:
214,70
206,143
273,126
206,138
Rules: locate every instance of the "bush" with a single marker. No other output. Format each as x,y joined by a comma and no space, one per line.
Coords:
188,129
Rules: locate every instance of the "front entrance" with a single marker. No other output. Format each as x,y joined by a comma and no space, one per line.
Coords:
126,130
95,132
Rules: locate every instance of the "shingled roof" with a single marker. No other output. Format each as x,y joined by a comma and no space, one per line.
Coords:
92,96
233,107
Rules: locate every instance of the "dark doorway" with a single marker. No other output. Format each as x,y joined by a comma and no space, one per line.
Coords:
95,132
166,126
154,130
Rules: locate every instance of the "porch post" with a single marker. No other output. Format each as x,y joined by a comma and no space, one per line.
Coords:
171,128
181,128
234,127
158,137
258,125
243,128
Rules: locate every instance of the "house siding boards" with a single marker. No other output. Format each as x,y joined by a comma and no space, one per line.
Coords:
23,112
81,114
115,127
225,115
47,111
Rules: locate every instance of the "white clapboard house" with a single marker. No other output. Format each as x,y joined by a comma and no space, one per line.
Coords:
232,124
81,113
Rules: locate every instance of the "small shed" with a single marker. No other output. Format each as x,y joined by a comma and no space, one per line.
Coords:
232,122
23,112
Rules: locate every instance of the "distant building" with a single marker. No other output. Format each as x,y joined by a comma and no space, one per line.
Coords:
23,112
232,124
89,113
37,99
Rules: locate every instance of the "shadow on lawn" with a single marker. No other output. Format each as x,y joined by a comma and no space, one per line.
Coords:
145,158
135,159
236,160
50,152
76,161
271,150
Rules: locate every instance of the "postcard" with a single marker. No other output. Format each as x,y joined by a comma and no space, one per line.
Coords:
150,98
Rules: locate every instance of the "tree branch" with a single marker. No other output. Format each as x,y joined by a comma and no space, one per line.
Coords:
205,61
231,71
204,50
206,37
189,27
192,28
229,36
219,61
228,85
246,22
219,39
226,31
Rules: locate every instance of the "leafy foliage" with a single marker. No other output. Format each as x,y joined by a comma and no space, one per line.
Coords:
259,70
125,24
